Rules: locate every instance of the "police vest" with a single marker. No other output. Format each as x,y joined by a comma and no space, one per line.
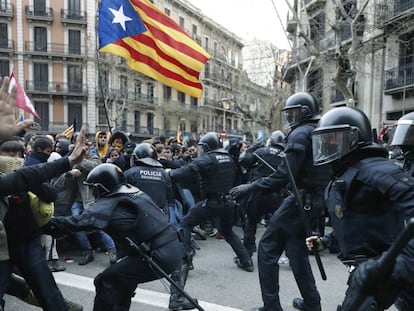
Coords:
152,180
149,221
221,177
362,215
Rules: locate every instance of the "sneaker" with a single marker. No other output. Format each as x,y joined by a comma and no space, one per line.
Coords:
30,298
220,236
246,266
199,233
112,256
56,265
283,260
213,232
299,304
87,257
73,306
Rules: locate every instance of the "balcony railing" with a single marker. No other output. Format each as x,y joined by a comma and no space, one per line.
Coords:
398,78
59,88
6,9
54,49
73,17
389,9
6,45
33,13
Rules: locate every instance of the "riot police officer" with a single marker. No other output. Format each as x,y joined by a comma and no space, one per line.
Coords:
216,172
368,200
148,175
259,204
286,230
122,211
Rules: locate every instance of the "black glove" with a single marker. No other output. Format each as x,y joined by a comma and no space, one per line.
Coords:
56,229
240,191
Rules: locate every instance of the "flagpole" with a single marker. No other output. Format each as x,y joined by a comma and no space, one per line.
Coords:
102,93
104,99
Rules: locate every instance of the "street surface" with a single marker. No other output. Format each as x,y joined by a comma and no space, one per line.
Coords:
216,282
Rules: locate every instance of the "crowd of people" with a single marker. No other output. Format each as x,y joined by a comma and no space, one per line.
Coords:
153,199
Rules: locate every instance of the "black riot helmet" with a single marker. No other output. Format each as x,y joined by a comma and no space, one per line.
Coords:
404,133
146,154
209,142
276,139
299,107
340,131
105,179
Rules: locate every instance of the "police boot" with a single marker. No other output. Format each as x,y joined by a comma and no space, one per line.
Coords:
87,257
267,309
299,304
180,303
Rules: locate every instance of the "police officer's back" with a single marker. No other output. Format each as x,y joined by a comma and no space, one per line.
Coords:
148,175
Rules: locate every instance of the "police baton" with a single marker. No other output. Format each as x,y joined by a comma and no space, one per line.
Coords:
302,213
385,264
158,269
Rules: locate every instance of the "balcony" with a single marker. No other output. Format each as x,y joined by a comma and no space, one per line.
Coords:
6,9
37,14
56,88
142,100
73,17
388,11
54,50
216,78
398,79
6,46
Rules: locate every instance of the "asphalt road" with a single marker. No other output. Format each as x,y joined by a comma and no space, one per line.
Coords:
216,282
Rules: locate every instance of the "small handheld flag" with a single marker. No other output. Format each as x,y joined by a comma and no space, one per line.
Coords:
22,101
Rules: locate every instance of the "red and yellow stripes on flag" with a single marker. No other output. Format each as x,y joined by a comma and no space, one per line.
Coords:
68,132
165,52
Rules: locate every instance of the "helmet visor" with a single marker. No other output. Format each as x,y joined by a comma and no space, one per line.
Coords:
404,133
330,144
291,116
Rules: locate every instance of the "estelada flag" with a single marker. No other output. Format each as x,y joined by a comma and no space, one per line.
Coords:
152,43
22,101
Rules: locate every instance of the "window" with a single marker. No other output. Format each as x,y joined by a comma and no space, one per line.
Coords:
167,12
39,7
4,36
75,78
150,92
181,22
167,92
124,119
194,32
74,41
123,86
181,97
40,39
194,103
74,8
101,115
137,121
167,124
206,43
41,76
4,68
104,84
137,89
42,108
3,5
150,123
75,113
194,127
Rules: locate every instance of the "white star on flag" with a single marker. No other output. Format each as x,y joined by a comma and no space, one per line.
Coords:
120,17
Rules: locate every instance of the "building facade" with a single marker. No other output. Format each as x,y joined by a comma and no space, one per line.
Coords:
52,48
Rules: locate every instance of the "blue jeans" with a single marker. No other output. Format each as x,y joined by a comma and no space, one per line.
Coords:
81,236
29,258
176,214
